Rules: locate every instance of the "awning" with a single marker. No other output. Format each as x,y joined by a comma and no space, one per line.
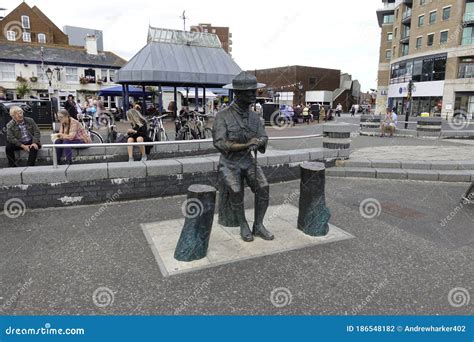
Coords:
117,91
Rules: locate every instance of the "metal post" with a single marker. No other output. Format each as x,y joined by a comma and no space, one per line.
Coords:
175,98
55,158
160,99
204,99
144,100
196,98
126,100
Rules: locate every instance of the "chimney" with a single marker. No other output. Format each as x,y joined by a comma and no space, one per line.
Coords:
91,44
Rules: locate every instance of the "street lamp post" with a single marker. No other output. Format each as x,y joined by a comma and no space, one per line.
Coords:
300,88
410,103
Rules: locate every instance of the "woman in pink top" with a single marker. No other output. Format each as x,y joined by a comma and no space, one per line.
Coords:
70,132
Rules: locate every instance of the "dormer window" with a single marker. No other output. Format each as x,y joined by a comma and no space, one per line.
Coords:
25,21
11,35
27,37
41,38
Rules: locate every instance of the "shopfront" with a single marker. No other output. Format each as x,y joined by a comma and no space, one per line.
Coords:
464,104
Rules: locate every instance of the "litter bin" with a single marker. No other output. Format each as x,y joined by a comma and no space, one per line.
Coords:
268,112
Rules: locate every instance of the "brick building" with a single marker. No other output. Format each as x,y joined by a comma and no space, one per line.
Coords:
30,44
27,25
432,44
224,34
302,84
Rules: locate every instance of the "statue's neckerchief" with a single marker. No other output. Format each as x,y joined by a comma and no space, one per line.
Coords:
242,117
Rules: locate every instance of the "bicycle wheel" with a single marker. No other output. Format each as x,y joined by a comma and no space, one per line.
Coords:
151,135
96,138
207,133
162,136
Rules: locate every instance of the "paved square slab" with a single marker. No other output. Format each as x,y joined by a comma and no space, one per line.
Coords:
225,244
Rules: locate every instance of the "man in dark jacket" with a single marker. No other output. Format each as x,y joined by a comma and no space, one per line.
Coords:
71,107
22,134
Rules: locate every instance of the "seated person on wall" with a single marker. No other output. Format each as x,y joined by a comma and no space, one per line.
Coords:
70,132
22,134
389,123
137,133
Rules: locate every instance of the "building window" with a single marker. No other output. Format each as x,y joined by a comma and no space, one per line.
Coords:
388,19
71,74
443,37
111,75
11,35
405,49
25,21
422,2
430,39
389,36
421,20
432,17
419,42
466,68
396,14
464,103
423,69
27,37
469,11
312,81
103,75
388,54
396,31
7,71
446,13
467,36
41,38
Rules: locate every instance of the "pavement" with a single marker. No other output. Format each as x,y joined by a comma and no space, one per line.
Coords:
405,260
412,253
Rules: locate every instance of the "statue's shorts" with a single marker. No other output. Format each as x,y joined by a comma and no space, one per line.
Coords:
233,173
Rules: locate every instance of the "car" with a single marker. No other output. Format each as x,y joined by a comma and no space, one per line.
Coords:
287,111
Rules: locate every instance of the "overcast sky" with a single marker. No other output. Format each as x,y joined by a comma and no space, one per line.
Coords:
338,34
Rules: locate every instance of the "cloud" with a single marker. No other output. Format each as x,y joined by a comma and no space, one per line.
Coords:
338,34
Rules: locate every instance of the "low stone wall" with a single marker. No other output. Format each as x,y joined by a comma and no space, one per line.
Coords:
45,186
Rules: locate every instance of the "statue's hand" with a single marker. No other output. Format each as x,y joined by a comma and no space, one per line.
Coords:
253,142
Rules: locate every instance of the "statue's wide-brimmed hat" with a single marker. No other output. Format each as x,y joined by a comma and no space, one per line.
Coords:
244,81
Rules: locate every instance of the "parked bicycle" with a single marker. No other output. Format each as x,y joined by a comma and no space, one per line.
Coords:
88,122
156,130
192,127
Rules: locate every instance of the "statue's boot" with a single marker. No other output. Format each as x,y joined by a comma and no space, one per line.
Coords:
237,205
261,205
